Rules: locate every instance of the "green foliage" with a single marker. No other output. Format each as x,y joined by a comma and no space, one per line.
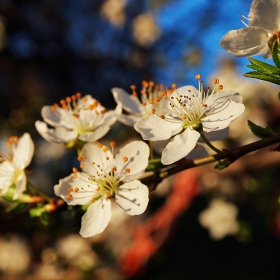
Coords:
154,164
263,71
261,132
276,52
41,213
222,164
15,207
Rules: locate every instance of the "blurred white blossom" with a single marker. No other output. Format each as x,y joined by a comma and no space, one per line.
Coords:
220,219
15,255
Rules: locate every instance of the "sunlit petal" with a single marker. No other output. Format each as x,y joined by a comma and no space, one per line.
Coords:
76,190
96,219
57,135
180,146
133,197
23,151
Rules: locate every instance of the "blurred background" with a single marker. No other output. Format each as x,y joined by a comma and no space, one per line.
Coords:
201,224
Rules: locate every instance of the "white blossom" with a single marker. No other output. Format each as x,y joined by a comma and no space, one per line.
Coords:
263,22
82,118
136,108
106,176
12,167
182,114
220,219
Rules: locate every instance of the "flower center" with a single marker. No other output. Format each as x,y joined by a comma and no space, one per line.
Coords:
149,93
16,174
74,105
106,178
187,109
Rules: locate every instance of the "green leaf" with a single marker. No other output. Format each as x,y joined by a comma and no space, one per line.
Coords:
261,76
44,218
263,67
36,212
259,131
15,207
276,52
263,71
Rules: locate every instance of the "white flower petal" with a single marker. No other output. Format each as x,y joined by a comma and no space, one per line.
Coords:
110,117
265,14
186,91
97,217
85,192
132,197
87,101
154,128
21,185
95,135
129,120
96,155
180,146
23,152
130,103
7,170
57,135
246,41
222,96
59,117
137,153
221,118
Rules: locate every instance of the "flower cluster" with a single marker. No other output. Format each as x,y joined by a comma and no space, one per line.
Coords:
179,117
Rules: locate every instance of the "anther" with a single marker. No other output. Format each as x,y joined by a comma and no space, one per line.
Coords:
112,144
105,149
78,95
153,111
125,159
127,170
174,86
216,81
162,116
99,145
69,196
76,189
145,84
220,87
197,77
82,165
74,169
